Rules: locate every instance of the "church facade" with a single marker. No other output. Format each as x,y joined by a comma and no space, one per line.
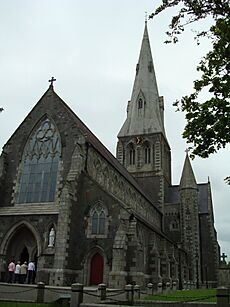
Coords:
83,215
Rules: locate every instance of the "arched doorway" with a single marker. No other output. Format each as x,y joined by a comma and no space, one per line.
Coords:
22,245
24,255
96,269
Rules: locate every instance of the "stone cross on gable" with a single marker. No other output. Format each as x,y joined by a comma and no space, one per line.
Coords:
52,81
223,256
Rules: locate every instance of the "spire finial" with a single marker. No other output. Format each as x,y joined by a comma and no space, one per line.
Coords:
52,81
187,150
146,17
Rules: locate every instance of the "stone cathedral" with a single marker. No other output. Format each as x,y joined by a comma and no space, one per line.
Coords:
83,215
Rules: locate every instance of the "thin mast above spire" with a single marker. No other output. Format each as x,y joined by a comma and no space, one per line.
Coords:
146,17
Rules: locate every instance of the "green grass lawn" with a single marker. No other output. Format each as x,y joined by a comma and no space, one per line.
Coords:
199,295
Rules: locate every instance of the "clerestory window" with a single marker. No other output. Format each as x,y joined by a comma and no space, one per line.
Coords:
40,161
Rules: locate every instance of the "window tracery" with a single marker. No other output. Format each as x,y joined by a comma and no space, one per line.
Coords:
98,222
97,225
40,161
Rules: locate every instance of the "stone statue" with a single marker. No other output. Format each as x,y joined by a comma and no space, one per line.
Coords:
51,237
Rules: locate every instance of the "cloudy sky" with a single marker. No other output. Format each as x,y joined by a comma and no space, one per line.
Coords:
91,48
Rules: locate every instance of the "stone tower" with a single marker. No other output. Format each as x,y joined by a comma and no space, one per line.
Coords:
142,144
190,218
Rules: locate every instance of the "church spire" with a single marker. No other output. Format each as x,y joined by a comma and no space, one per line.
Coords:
145,109
142,146
188,179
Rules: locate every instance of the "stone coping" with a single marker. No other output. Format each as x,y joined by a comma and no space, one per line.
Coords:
29,209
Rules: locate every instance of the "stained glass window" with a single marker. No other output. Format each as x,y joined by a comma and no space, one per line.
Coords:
98,222
102,223
94,222
40,165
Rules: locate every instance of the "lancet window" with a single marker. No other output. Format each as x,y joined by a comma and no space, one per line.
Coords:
98,222
131,154
140,103
40,161
147,153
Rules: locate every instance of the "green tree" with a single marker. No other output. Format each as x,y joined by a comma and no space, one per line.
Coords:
207,122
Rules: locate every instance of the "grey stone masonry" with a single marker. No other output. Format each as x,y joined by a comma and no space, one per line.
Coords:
120,189
68,197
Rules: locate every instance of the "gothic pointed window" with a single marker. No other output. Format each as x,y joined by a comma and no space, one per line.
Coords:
102,223
40,161
94,222
140,103
98,220
131,154
147,153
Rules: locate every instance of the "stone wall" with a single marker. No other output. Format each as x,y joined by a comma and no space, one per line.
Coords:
172,222
208,256
108,178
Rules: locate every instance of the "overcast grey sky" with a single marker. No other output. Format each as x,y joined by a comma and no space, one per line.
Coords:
91,48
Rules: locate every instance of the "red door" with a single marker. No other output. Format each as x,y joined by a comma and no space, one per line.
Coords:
96,269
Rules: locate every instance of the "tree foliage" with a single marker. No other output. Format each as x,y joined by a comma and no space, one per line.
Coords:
207,122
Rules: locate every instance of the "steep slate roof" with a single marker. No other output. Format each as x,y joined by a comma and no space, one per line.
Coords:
148,118
203,198
173,196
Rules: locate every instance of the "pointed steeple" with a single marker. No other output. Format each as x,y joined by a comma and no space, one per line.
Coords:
188,179
145,109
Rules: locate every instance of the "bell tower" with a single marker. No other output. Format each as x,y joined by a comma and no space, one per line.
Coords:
142,144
